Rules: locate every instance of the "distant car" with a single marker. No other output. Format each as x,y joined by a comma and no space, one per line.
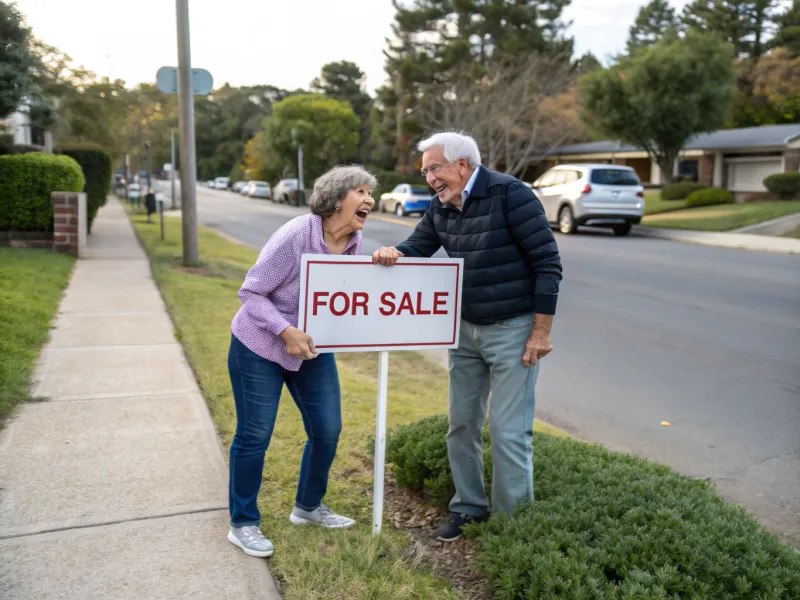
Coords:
222,183
285,191
134,191
240,187
594,195
259,189
405,199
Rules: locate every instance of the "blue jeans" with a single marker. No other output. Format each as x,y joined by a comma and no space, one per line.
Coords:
488,361
257,384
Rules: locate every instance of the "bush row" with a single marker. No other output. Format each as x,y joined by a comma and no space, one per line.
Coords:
97,168
679,190
709,197
784,185
26,184
607,526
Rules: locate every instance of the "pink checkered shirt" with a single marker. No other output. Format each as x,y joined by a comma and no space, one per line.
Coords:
270,293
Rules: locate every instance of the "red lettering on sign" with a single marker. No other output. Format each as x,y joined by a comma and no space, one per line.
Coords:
419,305
405,304
387,302
360,300
346,307
319,300
440,298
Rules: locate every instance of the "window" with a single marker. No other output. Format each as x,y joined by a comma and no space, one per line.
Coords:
398,189
571,176
559,177
614,177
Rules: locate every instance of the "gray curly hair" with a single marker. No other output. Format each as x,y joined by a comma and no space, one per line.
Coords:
332,186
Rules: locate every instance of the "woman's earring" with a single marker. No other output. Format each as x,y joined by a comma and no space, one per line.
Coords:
338,206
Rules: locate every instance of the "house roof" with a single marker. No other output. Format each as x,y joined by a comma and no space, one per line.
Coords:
747,137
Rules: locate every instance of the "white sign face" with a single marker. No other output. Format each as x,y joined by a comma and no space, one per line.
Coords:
348,304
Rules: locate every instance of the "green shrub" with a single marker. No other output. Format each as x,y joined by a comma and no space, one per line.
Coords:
709,197
26,183
784,185
97,168
679,190
387,180
610,526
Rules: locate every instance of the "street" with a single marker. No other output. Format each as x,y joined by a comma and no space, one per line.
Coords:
647,331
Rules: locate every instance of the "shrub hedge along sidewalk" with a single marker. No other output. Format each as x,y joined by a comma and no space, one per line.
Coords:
26,183
607,526
97,168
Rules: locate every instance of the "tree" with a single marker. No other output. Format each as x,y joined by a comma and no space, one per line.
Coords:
327,129
344,81
441,42
788,29
16,59
586,64
743,23
515,113
659,98
654,21
769,90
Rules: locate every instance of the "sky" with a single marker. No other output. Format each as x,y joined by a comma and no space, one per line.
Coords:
278,42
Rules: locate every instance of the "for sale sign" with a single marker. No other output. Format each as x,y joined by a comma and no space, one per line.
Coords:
348,304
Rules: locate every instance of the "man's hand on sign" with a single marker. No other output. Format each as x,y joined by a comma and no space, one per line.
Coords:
299,343
386,256
538,344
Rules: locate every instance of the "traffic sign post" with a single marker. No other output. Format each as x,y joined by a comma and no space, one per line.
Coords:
348,304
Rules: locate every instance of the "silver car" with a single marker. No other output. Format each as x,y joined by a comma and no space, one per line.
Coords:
258,189
595,195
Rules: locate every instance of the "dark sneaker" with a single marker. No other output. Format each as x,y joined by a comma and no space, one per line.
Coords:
450,530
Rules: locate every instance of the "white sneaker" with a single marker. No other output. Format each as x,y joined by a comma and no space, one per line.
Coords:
250,539
321,516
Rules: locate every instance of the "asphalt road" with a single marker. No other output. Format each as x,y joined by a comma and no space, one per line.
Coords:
647,331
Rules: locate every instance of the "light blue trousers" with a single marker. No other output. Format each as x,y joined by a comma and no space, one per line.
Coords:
488,362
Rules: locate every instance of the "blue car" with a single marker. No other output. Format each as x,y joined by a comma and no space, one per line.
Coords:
406,199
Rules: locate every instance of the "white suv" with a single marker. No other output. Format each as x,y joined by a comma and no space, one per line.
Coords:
595,195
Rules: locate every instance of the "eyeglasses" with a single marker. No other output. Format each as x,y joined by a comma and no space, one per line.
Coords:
432,169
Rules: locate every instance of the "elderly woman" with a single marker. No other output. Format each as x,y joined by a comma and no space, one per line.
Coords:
267,351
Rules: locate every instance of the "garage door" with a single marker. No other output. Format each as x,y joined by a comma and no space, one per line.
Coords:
748,175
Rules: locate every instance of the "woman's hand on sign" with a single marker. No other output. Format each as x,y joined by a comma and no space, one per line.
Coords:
386,256
299,343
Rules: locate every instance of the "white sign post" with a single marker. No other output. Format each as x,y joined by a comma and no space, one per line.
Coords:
347,304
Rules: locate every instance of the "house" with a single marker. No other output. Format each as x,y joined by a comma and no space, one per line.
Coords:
24,133
735,159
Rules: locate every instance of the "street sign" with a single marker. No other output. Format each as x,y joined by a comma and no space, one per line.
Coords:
167,81
348,304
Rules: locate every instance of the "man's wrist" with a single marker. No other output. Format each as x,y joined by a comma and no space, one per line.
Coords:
542,324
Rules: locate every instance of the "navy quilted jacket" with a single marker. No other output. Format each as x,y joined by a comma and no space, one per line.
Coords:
511,261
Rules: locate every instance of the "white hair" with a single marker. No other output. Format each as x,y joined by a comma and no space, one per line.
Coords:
454,146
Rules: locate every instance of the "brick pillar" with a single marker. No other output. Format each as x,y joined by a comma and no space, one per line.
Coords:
69,217
705,170
791,160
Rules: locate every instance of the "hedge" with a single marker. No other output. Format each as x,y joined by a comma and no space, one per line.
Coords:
387,180
26,184
679,190
784,185
709,197
606,525
97,168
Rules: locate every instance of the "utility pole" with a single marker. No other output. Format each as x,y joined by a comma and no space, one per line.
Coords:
300,191
149,167
186,119
174,166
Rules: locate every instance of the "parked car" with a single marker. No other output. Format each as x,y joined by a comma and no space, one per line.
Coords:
285,191
596,195
405,199
222,183
240,187
134,191
259,189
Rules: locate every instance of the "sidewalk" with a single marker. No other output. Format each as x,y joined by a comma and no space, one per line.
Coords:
116,487
742,241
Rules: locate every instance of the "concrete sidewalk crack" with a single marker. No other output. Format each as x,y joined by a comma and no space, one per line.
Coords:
114,522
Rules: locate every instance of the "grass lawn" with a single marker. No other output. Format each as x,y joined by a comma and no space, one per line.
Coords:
31,283
722,217
653,203
310,563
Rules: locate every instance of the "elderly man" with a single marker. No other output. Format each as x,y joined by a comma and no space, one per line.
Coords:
512,272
